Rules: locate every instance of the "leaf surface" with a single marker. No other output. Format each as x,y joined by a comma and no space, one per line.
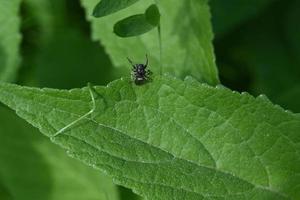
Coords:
10,39
173,139
31,167
186,37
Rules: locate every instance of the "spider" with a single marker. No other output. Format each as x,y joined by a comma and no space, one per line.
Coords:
139,73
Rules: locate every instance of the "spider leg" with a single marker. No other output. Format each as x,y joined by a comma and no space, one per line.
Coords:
133,75
91,89
148,75
148,72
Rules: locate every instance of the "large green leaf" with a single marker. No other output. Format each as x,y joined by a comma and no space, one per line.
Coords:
173,139
185,33
33,168
10,39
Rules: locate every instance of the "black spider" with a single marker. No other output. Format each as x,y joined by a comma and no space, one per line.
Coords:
140,74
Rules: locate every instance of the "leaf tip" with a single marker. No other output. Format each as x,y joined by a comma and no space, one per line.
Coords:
153,15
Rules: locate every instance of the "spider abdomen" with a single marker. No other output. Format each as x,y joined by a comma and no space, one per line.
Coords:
139,73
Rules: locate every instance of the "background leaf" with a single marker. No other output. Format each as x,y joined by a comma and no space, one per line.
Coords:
61,54
107,7
186,35
133,26
292,28
223,144
153,15
33,168
227,15
136,25
10,39
4,194
261,51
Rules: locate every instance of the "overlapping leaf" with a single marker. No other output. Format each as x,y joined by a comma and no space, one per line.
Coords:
107,7
172,139
139,24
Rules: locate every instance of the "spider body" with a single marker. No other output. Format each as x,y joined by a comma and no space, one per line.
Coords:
140,74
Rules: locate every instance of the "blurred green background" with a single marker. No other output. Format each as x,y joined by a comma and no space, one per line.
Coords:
257,46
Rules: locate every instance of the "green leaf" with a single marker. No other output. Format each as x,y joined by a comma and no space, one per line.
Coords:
31,167
153,15
133,26
186,36
138,24
107,7
10,39
173,139
127,194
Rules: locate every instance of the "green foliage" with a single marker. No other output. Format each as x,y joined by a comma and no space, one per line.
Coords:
266,49
4,193
180,56
132,26
292,28
231,13
223,144
10,39
152,15
138,24
33,168
168,138
59,55
107,7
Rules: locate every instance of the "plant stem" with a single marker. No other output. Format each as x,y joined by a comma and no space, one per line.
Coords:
160,48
